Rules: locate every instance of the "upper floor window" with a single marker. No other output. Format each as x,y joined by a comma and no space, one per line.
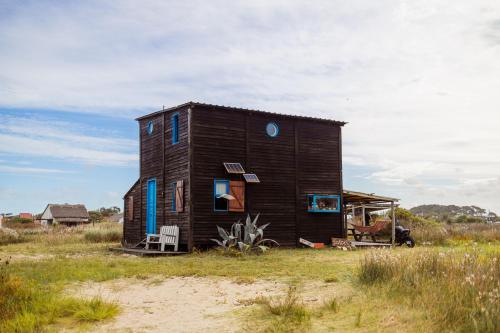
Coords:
175,128
150,127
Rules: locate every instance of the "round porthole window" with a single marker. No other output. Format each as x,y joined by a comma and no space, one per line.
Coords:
150,128
272,130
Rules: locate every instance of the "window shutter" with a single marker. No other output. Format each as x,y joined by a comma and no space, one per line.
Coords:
130,208
237,190
179,196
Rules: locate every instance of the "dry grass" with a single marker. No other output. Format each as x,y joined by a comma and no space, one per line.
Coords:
460,291
286,313
27,306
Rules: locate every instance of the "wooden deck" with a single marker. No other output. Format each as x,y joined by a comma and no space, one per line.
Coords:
145,253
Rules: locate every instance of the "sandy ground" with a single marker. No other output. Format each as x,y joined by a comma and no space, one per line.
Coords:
191,304
179,304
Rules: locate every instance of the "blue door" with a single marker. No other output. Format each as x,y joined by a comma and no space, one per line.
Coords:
151,207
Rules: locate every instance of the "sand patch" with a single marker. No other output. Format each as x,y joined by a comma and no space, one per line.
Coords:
178,304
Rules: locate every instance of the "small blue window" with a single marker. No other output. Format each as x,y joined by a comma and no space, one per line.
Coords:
221,190
150,127
174,188
175,128
318,203
272,130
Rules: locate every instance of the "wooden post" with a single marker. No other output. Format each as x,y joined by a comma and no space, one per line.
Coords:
363,212
393,223
353,214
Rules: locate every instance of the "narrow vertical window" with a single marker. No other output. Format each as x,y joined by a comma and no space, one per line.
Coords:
179,196
130,208
174,187
175,128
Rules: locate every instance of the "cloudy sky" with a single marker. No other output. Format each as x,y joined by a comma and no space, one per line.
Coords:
418,82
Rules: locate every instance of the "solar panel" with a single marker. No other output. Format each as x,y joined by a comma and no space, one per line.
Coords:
234,168
251,178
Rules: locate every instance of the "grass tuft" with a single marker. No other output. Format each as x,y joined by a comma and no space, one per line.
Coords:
102,236
331,304
290,314
95,310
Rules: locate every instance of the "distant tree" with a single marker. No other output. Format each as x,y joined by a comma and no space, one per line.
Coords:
107,212
17,219
95,216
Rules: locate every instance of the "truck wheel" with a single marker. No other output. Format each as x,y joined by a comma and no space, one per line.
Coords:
409,241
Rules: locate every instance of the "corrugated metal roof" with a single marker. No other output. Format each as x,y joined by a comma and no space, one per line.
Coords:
341,123
354,196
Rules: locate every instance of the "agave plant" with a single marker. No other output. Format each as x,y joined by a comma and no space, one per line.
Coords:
246,237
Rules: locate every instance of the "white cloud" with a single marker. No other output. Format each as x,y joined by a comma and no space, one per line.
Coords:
61,141
417,81
24,170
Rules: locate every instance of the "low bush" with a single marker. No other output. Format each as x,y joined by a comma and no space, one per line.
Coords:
461,292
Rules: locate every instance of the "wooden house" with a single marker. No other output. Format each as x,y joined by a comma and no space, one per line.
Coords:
204,165
70,215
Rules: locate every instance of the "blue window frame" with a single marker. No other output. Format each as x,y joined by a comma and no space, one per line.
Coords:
174,188
175,128
319,203
150,127
221,187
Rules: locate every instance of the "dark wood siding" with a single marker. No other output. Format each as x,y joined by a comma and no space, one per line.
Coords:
217,137
151,168
319,172
167,163
273,161
176,168
305,158
132,225
302,159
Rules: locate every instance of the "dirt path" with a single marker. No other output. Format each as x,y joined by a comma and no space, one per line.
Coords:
177,305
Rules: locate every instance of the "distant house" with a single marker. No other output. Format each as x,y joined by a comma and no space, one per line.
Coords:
64,214
26,216
118,218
